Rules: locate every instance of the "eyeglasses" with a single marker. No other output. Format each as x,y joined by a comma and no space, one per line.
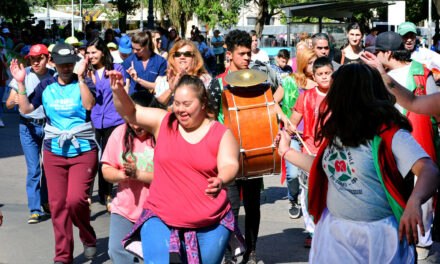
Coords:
186,54
325,48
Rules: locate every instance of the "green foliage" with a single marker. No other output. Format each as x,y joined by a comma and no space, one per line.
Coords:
222,13
15,11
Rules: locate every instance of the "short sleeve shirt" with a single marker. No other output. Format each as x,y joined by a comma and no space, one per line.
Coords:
64,110
131,194
354,189
156,66
30,82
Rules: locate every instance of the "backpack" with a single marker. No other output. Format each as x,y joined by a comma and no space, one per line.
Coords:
272,75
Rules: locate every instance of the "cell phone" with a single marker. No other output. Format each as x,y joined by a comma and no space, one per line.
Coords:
89,67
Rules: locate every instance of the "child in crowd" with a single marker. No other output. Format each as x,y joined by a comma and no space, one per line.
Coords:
128,161
360,184
282,66
307,107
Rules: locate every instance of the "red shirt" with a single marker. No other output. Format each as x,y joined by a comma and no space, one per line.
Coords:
308,106
181,169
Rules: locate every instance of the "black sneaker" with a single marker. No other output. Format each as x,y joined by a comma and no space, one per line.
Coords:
295,210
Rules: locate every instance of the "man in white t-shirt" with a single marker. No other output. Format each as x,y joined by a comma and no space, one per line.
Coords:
397,59
257,54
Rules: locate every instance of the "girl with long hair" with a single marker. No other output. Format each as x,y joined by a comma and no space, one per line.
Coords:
360,184
104,116
128,161
353,49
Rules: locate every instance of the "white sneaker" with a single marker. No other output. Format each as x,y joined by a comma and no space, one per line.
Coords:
1,123
422,252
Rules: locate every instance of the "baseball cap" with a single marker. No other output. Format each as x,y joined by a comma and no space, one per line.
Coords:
6,30
112,45
63,53
50,48
388,41
171,29
406,27
36,50
72,41
125,44
25,50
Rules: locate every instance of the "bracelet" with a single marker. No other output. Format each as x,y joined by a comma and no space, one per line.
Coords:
22,93
285,152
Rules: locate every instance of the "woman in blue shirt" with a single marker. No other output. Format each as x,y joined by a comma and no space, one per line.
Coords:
104,116
70,152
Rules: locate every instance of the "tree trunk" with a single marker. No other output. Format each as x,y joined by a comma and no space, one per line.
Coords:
182,24
123,22
263,15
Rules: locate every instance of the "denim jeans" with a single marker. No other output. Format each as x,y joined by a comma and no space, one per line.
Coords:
155,236
292,175
119,228
31,138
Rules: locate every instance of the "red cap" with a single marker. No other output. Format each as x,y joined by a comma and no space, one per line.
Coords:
36,50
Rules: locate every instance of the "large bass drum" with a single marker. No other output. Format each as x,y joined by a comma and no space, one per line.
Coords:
250,114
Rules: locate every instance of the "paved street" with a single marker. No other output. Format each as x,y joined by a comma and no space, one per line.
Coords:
280,241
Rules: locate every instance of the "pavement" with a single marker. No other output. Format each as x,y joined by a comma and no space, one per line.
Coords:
280,239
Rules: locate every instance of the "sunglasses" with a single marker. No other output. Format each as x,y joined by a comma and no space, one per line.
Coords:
324,48
158,39
187,54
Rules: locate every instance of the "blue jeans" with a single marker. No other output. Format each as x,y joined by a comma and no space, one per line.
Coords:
119,228
155,236
292,173
31,138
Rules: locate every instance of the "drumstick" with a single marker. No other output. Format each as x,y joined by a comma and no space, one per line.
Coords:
300,139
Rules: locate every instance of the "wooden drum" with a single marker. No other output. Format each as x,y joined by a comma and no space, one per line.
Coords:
250,114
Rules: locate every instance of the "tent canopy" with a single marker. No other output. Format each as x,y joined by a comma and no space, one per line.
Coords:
41,14
332,9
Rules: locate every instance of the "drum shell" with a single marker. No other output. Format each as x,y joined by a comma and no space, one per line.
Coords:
250,114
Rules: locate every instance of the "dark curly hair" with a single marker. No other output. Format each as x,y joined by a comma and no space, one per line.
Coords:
237,38
356,107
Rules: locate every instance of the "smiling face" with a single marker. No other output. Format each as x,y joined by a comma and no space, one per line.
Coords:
354,37
409,41
184,58
188,108
95,56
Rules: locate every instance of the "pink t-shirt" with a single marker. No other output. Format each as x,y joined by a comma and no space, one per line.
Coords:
131,194
308,105
181,170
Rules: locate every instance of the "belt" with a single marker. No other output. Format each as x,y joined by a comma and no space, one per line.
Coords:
40,121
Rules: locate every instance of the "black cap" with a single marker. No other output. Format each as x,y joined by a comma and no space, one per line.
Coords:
64,53
388,41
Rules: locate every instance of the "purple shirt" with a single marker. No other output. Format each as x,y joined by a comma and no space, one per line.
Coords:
104,113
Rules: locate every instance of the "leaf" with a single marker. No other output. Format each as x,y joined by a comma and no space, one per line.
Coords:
331,169
333,156
343,156
344,177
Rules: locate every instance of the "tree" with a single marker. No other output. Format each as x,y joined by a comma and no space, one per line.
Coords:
16,10
223,13
125,7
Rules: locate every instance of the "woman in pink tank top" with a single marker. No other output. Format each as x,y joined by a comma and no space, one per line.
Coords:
187,216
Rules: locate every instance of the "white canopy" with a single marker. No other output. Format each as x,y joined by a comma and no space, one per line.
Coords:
61,17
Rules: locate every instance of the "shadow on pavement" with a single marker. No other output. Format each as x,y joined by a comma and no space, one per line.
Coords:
9,138
101,254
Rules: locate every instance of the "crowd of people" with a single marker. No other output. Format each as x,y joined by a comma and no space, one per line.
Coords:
144,112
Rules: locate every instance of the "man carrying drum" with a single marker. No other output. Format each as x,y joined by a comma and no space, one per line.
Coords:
239,53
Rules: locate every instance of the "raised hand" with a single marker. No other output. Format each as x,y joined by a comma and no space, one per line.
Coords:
132,72
18,71
83,66
116,81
